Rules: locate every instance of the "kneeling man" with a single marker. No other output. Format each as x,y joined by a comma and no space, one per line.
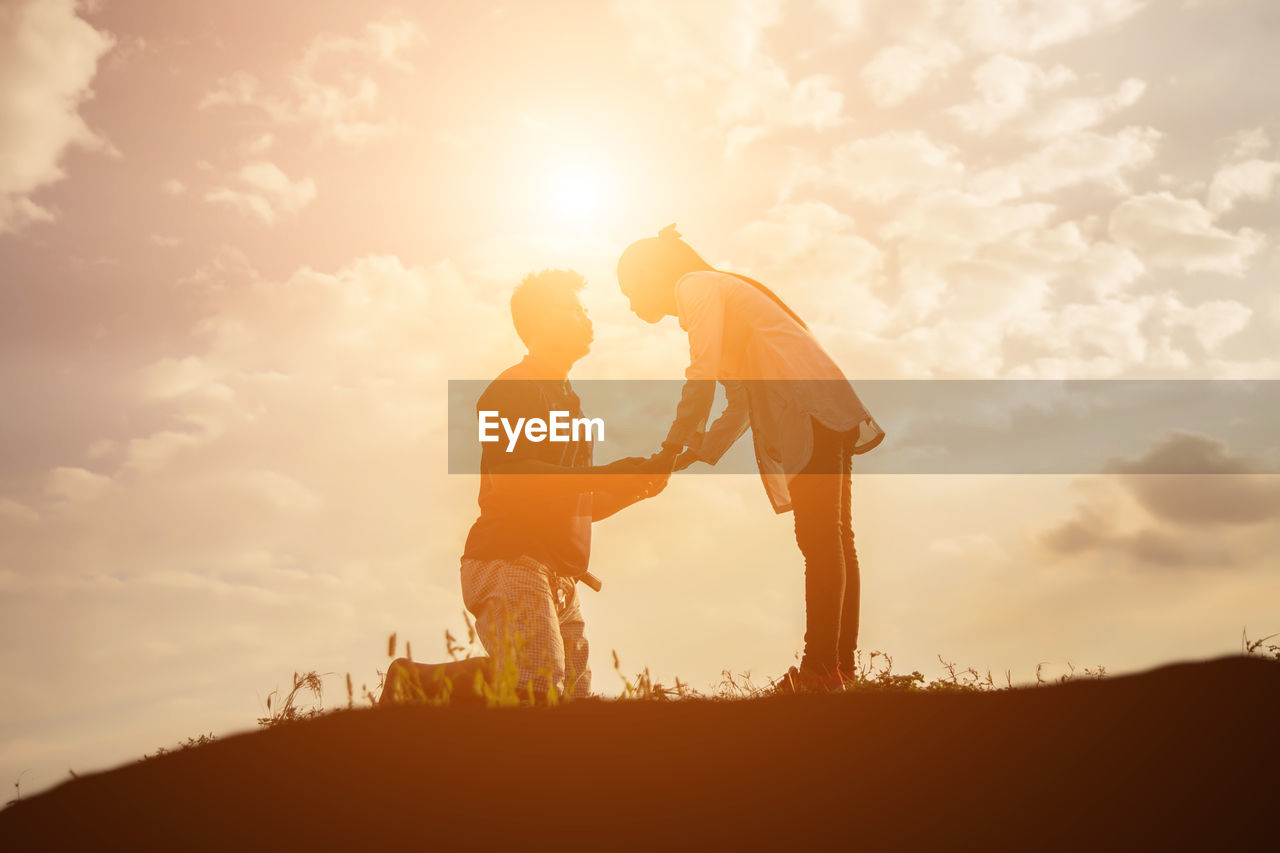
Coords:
539,494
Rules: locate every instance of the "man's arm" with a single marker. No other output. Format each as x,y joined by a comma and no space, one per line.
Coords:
538,479
605,504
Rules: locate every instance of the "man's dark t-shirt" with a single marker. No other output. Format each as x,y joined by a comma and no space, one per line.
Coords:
555,530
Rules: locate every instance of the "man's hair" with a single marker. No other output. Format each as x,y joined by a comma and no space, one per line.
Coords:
531,296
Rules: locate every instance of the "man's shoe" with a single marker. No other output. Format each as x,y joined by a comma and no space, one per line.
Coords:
798,680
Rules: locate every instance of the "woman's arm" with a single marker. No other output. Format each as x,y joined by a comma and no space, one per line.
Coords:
702,314
727,428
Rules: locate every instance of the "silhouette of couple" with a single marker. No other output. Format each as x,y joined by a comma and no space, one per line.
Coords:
530,546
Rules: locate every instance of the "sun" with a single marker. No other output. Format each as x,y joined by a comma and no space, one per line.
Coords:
575,192
576,195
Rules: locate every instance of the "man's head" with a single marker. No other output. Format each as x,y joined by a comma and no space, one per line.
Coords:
550,318
649,269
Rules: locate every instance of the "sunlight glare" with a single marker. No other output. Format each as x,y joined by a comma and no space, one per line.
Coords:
576,192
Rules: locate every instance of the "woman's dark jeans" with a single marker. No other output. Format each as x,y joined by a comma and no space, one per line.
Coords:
824,532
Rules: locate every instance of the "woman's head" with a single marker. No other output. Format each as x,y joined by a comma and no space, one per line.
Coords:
649,269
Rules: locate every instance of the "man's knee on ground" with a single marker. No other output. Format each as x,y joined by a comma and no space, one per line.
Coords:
454,681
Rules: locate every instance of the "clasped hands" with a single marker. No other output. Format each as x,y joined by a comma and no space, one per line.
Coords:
647,476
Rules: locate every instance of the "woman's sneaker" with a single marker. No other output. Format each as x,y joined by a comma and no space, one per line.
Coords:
798,680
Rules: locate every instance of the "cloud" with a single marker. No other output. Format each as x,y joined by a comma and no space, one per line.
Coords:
966,220
715,49
48,58
1212,321
302,427
171,377
267,193
279,490
17,512
1083,340
1089,532
1178,233
1250,179
886,167
151,453
763,99
1245,495
1070,115
847,15
693,44
900,70
75,485
1028,26
207,585
1248,142
1079,158
819,260
1174,520
331,87
1004,85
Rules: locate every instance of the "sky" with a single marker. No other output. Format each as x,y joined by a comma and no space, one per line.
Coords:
245,246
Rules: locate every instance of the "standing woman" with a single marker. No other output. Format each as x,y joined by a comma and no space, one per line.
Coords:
806,422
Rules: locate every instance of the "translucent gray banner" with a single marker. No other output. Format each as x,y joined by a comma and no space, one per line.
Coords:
950,426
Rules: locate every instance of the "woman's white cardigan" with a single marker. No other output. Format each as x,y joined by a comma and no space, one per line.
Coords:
777,379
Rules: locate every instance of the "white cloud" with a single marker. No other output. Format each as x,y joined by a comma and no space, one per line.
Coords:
340,106
764,96
151,453
208,586
1078,158
259,145
1027,26
18,512
173,187
70,485
1212,322
1106,268
1004,86
1178,233
815,256
1251,179
900,70
1070,115
48,58
268,193
966,220
1248,142
894,164
848,15
172,377
280,490
716,47
1097,340
695,43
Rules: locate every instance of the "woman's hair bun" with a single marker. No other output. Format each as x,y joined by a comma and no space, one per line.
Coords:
669,233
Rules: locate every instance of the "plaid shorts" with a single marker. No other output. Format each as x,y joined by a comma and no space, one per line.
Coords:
529,620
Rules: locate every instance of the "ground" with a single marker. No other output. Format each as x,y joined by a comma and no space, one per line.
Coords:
1181,757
